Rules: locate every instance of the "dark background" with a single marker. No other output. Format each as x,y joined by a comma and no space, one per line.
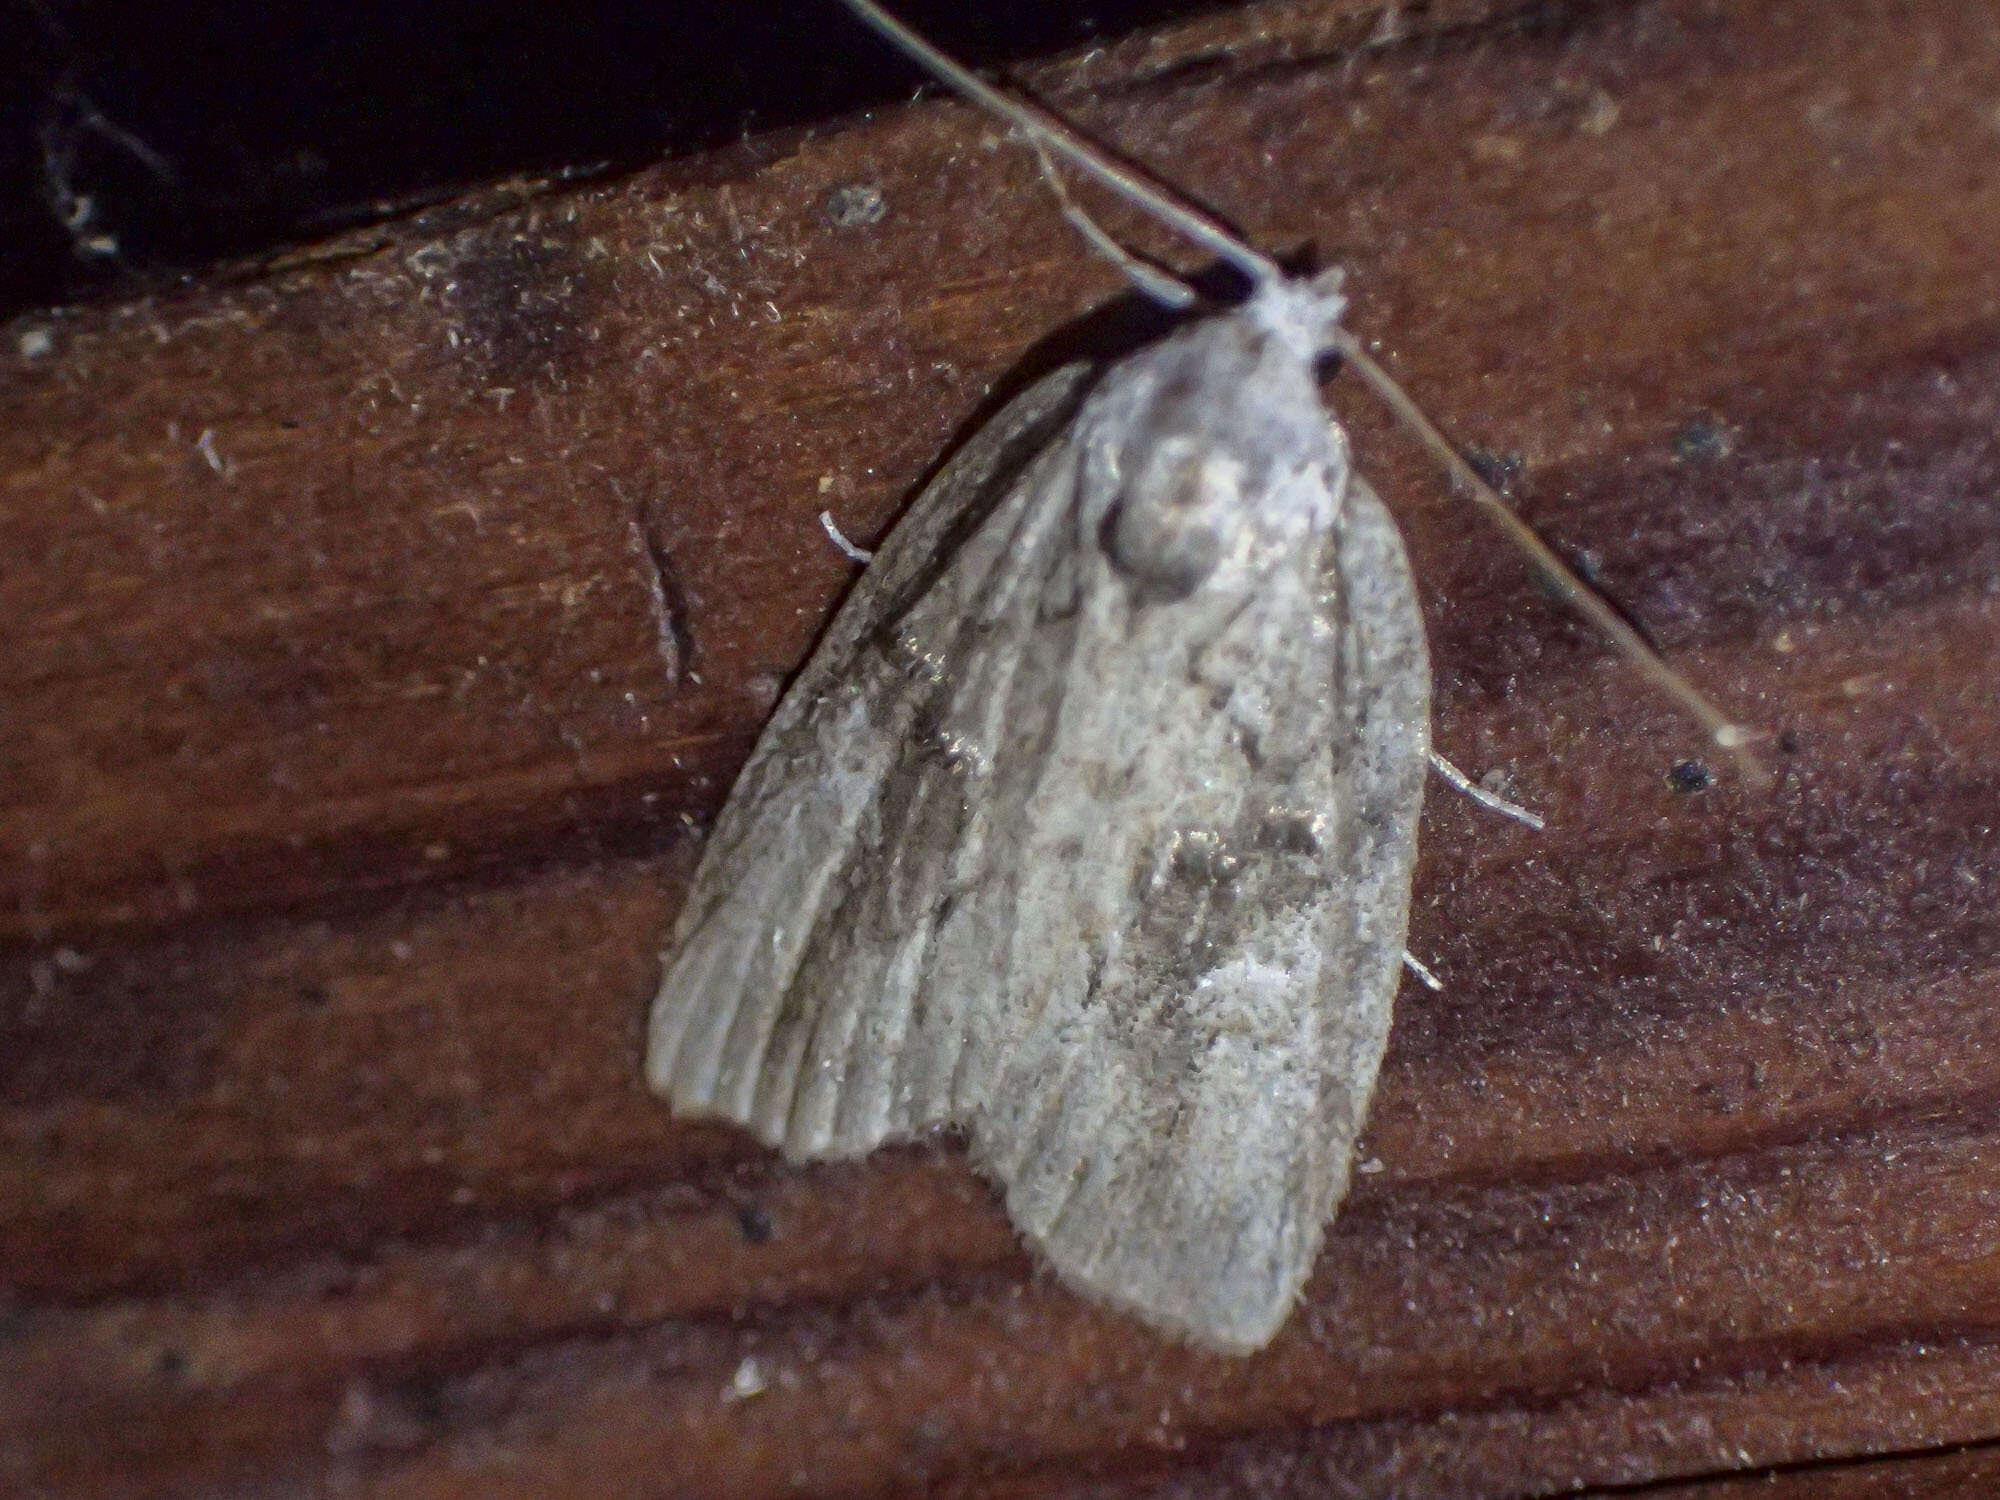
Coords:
138,142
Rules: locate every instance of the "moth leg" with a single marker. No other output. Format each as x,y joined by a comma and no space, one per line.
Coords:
1458,780
1162,286
839,539
1423,972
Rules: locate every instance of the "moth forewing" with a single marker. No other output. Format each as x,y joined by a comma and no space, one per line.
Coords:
782,830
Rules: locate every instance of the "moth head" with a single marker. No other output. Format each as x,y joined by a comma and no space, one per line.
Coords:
1301,312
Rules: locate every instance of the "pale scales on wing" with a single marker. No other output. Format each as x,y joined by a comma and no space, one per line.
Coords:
1090,826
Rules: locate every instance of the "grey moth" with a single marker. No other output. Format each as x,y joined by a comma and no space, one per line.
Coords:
1090,826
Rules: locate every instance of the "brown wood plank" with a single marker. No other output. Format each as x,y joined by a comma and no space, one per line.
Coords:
379,627
1965,1472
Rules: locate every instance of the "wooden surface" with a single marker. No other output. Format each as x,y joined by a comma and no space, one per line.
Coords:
381,626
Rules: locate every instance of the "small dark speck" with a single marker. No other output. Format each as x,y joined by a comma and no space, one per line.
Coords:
170,1364
314,994
1690,776
756,1224
855,205
1788,742
1703,441
1498,469
1589,567
427,1397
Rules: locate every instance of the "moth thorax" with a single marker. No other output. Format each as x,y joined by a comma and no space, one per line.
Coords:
1179,507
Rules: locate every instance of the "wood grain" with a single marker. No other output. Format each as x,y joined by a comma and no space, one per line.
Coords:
382,624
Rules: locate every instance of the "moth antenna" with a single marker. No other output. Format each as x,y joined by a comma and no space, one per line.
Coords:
1065,140
1423,972
1156,282
1466,786
1575,592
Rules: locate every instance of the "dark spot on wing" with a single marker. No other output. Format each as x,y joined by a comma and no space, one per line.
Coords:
1203,856
1292,830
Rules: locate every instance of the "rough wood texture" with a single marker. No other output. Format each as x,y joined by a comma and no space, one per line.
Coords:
380,627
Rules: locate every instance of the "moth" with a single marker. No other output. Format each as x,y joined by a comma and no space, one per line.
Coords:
1089,828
